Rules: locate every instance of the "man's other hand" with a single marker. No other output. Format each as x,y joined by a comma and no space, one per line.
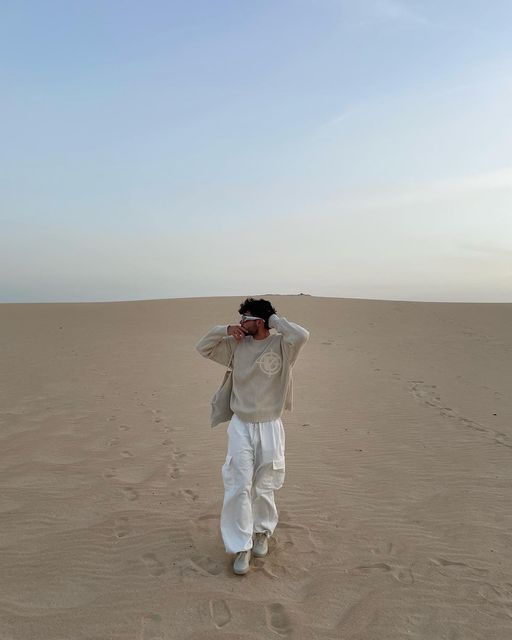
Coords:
236,331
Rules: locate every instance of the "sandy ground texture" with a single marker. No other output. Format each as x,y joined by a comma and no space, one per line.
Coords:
395,517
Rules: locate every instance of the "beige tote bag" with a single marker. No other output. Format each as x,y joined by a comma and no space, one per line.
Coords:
221,401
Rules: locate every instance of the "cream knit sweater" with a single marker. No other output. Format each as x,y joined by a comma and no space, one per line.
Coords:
262,369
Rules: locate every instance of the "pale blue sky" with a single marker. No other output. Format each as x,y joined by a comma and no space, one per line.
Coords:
198,148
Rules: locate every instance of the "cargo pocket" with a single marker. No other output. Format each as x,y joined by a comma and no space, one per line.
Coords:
227,472
278,471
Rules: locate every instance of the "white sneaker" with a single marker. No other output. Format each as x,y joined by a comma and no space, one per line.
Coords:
241,563
260,545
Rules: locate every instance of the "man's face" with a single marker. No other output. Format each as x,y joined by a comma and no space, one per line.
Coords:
251,326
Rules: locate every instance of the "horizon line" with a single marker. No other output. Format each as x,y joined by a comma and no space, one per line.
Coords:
289,295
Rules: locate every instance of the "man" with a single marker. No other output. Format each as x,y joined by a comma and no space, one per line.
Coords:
262,387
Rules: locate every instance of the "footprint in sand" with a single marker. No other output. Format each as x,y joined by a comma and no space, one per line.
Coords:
153,564
295,535
126,454
206,565
278,619
443,563
109,473
401,574
427,395
499,595
270,569
503,438
156,415
151,627
121,528
189,494
124,427
208,516
113,441
174,472
220,613
386,548
130,494
207,523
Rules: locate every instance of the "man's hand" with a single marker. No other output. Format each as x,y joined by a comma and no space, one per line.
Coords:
237,331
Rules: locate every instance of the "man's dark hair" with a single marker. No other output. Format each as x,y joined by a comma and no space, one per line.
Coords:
260,308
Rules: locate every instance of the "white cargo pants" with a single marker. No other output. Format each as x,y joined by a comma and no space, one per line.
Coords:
253,470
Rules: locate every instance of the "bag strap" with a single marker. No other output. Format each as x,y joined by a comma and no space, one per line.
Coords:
230,365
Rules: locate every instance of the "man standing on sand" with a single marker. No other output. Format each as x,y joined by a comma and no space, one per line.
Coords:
262,387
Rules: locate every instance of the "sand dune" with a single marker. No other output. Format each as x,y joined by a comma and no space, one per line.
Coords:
395,518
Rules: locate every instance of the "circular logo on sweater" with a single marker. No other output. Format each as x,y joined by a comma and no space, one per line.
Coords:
270,362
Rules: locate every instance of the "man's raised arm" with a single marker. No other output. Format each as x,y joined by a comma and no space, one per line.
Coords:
217,345
295,336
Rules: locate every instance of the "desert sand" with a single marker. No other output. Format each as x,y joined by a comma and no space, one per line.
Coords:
395,517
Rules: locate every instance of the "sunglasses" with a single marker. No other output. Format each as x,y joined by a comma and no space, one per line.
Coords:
245,318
